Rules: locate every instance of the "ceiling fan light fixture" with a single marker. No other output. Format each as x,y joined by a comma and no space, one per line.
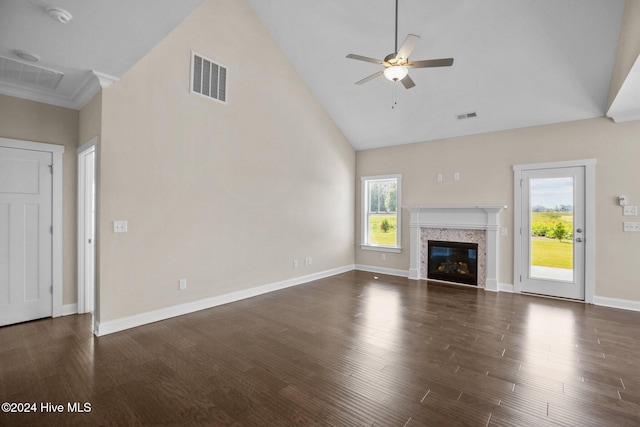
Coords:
396,72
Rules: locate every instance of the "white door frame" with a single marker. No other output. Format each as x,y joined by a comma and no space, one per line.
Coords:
589,234
56,213
86,289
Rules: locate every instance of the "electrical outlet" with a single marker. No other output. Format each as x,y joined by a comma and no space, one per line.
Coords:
439,177
629,210
383,257
504,231
456,176
119,226
631,226
183,284
295,263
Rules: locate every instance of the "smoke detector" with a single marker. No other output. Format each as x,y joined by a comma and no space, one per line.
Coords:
59,14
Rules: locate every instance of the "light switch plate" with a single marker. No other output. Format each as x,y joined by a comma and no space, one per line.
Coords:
630,210
119,226
631,226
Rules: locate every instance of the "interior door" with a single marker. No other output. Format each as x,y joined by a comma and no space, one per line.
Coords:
553,232
86,229
25,235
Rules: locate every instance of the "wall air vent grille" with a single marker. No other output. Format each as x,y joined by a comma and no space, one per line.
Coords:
31,75
208,78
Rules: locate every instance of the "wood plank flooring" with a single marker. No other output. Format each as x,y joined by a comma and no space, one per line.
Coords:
356,349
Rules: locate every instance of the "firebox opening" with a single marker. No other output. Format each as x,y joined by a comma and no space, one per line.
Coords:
453,262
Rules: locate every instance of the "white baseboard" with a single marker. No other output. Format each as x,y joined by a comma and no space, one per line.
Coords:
505,287
624,304
69,309
382,270
124,323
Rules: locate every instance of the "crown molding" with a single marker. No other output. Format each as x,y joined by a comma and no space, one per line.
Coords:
92,84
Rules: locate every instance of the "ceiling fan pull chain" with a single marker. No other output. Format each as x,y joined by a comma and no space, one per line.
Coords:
394,102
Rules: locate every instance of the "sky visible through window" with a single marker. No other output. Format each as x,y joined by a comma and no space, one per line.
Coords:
552,192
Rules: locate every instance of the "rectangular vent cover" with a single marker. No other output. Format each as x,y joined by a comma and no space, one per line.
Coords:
466,116
29,74
208,78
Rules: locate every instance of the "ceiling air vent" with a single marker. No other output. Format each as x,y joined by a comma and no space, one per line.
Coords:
208,78
466,116
31,75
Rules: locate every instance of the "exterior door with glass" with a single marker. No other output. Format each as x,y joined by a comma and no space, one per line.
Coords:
553,232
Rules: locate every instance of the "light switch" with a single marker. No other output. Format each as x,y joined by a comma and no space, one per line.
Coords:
631,226
119,226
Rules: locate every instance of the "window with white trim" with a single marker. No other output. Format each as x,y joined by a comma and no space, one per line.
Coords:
381,208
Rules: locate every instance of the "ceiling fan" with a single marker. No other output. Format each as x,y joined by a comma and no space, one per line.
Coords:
396,64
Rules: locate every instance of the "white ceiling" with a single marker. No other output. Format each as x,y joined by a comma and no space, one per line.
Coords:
518,63
105,38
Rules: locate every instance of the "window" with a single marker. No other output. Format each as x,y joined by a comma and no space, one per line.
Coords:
381,208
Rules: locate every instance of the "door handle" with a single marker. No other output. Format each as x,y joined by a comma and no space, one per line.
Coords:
579,239
579,230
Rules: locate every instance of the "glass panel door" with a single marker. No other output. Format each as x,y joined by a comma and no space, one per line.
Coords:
553,236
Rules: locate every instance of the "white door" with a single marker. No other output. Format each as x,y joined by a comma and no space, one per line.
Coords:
553,232
25,235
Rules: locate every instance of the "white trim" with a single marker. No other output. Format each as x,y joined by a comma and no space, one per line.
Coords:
124,323
382,270
381,248
505,287
93,83
56,213
69,309
590,223
83,150
624,304
92,143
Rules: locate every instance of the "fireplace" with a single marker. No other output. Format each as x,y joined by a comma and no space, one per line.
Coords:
468,224
453,262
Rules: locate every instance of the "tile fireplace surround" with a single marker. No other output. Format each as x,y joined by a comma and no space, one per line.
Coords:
477,224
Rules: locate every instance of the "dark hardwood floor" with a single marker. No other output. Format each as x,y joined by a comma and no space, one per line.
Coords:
350,350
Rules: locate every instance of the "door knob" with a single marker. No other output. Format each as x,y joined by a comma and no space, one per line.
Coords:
579,230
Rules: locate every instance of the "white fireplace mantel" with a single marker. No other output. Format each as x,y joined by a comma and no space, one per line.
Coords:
457,217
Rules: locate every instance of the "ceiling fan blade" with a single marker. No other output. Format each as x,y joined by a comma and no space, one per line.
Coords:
365,58
371,77
407,82
444,62
407,47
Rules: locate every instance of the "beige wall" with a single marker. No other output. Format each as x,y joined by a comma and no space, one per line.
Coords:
90,119
485,164
33,121
226,196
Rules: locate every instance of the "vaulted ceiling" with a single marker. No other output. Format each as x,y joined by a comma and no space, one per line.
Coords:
516,63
